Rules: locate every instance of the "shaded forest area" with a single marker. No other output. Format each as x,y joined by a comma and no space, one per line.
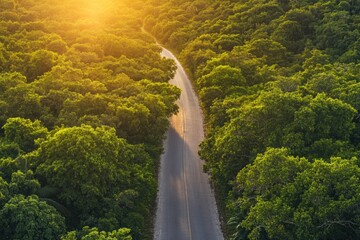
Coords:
279,82
84,104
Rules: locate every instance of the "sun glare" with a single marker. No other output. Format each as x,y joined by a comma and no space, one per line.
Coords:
98,9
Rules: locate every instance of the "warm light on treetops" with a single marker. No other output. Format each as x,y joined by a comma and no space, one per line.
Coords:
97,12
98,9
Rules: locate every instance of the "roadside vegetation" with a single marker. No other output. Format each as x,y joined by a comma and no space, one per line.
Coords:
279,82
84,104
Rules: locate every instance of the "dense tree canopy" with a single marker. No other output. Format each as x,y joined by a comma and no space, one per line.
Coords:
84,104
30,218
278,81
94,234
283,197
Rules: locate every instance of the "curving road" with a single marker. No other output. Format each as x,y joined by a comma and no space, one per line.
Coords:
186,205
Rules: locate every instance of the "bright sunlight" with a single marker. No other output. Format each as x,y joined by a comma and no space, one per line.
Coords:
97,10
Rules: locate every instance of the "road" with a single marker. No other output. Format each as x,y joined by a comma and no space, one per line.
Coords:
186,205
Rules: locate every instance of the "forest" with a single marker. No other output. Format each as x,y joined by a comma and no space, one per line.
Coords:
84,104
279,84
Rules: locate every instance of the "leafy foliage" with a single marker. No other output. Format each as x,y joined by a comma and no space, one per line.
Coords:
84,104
287,197
93,234
30,218
274,75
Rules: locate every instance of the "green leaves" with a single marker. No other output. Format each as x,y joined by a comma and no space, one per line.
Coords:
286,197
75,88
24,132
82,161
273,74
222,76
99,176
23,183
94,234
29,218
40,62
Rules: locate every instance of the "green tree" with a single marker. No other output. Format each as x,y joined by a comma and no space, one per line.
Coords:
9,80
283,197
23,183
290,35
325,117
222,76
30,218
22,101
94,234
273,52
255,125
24,132
57,45
335,33
40,62
4,192
90,166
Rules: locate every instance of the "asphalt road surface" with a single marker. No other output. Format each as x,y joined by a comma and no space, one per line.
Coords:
186,205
